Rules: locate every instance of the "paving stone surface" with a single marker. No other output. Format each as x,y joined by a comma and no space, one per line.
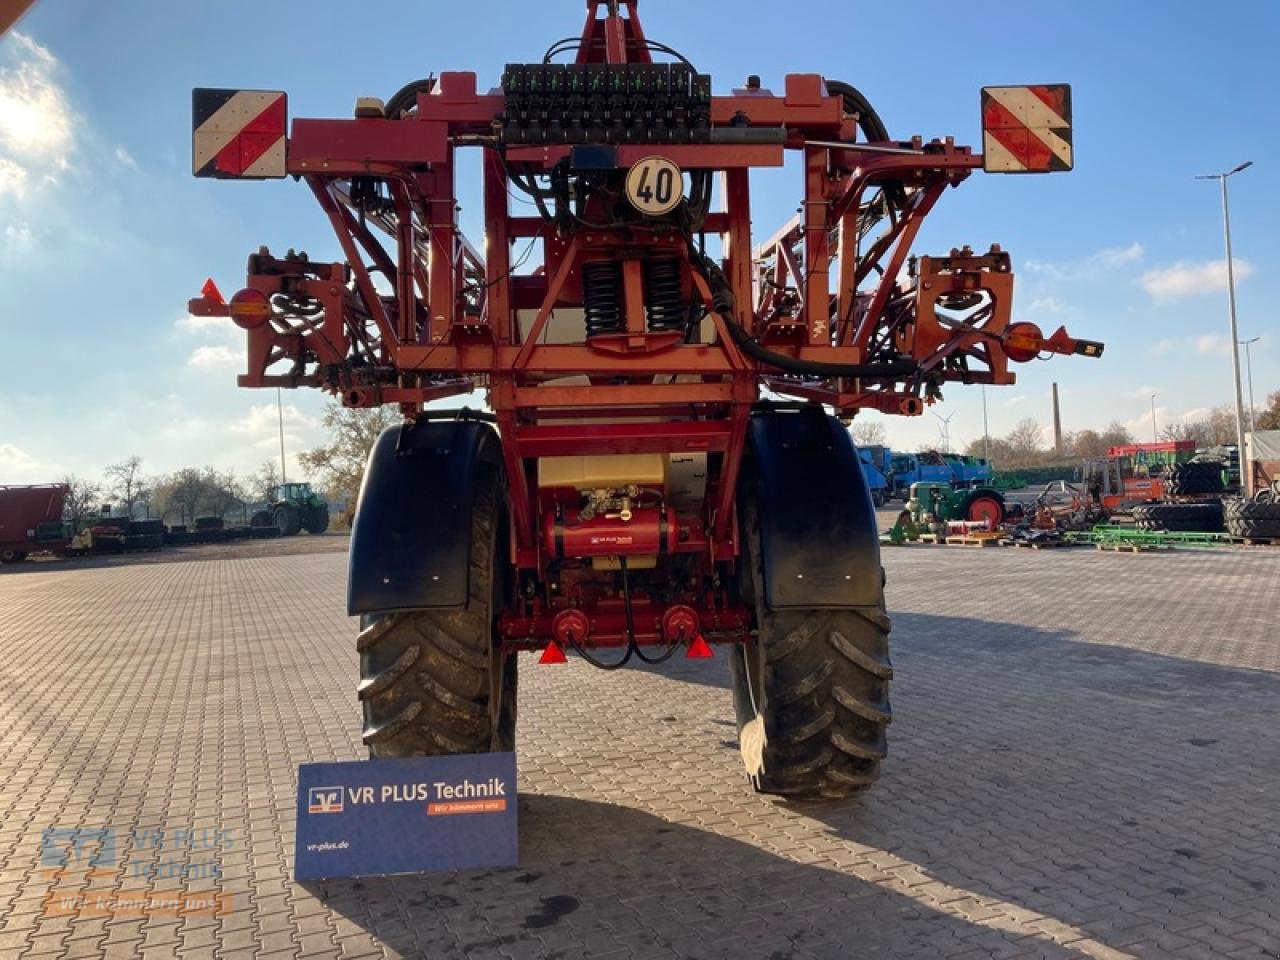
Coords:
1085,762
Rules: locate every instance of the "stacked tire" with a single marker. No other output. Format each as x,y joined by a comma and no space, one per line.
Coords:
1254,519
1194,478
144,535
1180,517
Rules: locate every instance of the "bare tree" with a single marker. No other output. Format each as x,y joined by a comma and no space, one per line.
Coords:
1088,444
223,492
1116,435
1026,441
125,483
340,463
82,497
868,433
1269,419
181,493
264,482
1179,431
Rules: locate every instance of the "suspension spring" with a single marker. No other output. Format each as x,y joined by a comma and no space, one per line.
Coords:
602,297
665,308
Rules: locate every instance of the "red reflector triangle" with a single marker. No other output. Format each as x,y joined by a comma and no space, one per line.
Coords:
210,291
699,649
553,654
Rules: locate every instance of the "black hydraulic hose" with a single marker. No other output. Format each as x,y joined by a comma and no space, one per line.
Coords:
855,102
600,664
407,96
882,370
722,296
872,127
631,626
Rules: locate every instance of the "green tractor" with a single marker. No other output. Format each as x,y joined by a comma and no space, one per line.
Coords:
933,503
296,507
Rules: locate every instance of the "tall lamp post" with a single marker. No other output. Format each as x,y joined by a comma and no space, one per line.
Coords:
280,414
1248,366
1246,475
1155,434
986,432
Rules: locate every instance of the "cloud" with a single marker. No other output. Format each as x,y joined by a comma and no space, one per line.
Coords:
125,158
1111,257
1213,343
1186,278
263,420
37,126
213,357
1016,400
190,323
1046,305
16,240
1140,427
1108,258
18,466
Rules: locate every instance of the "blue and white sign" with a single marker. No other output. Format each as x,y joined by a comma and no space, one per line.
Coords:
405,816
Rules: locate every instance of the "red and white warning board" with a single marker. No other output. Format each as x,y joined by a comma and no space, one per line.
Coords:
238,134
1026,129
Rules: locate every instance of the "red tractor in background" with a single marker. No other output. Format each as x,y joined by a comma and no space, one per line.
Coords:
666,463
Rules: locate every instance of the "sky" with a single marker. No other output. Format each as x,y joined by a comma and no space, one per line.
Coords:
105,235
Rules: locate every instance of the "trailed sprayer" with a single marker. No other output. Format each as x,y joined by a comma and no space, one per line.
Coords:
662,466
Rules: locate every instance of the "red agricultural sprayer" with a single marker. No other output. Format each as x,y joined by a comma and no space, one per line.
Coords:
631,494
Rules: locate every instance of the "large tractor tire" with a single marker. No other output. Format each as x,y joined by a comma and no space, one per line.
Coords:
984,506
436,682
288,522
316,520
1179,517
1255,519
811,692
1193,478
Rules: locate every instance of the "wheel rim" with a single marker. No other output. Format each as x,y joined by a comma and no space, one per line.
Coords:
985,510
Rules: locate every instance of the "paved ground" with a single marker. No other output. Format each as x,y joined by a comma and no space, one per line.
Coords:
1086,762
334,541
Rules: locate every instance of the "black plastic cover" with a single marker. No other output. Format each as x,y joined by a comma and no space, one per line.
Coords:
819,542
411,540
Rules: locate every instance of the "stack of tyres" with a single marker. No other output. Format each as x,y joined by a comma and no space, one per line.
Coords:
144,535
1179,517
1194,478
1257,519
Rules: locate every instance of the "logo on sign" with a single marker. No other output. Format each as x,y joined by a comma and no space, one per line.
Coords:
324,800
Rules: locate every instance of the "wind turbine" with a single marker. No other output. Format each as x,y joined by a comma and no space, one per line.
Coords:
945,429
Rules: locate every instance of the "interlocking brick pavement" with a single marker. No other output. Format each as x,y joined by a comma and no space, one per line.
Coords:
1085,763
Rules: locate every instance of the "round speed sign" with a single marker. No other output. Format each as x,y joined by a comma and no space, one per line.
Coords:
655,186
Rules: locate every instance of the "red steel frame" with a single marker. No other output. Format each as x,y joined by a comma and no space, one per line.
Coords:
448,323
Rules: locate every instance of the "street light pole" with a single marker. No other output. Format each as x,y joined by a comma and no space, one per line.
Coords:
1155,434
1246,475
986,433
280,415
1248,366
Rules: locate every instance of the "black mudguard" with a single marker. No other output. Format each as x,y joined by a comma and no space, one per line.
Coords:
819,542
411,540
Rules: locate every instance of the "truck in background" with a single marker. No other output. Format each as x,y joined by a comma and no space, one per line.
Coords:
877,469
927,466
31,520
967,471
932,466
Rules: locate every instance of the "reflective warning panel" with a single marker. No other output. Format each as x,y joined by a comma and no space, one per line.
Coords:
238,134
1026,129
